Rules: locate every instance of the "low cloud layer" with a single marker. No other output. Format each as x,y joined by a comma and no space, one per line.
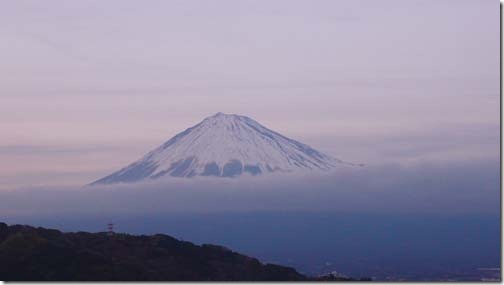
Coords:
470,187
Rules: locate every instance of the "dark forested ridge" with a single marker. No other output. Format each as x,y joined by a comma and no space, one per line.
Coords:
38,254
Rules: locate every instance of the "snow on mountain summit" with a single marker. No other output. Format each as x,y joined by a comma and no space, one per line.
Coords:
225,146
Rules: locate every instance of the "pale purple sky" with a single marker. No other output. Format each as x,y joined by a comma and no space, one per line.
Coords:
89,86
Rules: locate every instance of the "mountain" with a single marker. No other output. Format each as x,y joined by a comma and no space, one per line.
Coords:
38,254
225,146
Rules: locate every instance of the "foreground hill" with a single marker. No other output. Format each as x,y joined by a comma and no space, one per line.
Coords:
38,254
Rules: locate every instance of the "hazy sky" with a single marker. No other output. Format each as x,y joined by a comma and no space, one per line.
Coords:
89,86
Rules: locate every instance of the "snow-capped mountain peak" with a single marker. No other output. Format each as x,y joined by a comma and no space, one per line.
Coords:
225,146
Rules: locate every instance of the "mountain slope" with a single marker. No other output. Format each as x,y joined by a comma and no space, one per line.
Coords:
38,254
225,146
